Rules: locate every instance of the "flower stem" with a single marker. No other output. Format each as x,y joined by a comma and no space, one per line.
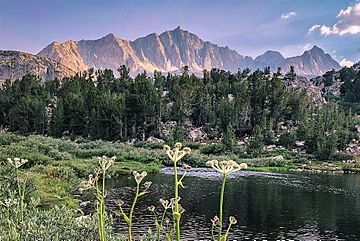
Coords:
98,205
132,210
102,206
227,232
221,207
212,233
21,195
176,208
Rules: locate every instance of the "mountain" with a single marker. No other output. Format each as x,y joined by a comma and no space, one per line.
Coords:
171,50
313,62
167,52
270,58
15,64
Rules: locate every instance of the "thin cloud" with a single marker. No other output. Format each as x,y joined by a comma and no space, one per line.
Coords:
348,22
346,63
288,15
314,27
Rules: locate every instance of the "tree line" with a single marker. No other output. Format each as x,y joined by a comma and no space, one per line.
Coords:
228,106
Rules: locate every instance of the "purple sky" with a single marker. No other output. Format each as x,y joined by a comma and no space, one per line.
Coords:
250,27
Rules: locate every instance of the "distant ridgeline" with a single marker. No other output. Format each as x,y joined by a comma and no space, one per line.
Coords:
222,106
167,52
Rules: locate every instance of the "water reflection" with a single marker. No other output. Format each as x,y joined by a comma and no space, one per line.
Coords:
267,206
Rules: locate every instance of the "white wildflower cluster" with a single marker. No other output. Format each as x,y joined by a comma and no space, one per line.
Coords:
165,203
87,184
216,221
151,208
17,162
186,167
106,162
147,185
119,202
8,202
176,153
226,167
173,202
139,176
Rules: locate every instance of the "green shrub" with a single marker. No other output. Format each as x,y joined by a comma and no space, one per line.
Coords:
212,149
58,223
7,138
52,191
149,145
304,158
277,161
193,145
340,156
58,171
286,153
287,139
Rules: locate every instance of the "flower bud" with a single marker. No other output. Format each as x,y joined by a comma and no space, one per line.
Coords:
186,167
119,202
243,165
216,221
187,150
210,163
178,145
232,220
147,185
166,148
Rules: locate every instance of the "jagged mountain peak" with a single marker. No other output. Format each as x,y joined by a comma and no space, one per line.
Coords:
178,29
316,49
109,37
179,32
171,50
270,54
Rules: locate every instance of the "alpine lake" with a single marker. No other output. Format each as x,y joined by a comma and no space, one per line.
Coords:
268,206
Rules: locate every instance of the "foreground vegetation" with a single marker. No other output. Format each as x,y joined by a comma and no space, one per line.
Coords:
19,216
56,166
55,170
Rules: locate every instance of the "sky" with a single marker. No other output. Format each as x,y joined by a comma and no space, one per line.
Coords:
248,26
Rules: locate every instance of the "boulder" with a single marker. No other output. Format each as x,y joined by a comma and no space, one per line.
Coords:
155,140
197,134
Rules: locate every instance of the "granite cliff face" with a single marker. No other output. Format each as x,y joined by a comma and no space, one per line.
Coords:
167,52
313,62
270,58
172,50
15,64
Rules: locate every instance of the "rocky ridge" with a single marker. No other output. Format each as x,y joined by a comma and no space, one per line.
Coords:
330,82
172,50
15,64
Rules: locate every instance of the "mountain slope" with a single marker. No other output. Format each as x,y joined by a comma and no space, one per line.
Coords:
331,82
313,62
15,64
270,58
167,52
171,50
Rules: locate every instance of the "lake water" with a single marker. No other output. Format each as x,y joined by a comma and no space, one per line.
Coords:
267,206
